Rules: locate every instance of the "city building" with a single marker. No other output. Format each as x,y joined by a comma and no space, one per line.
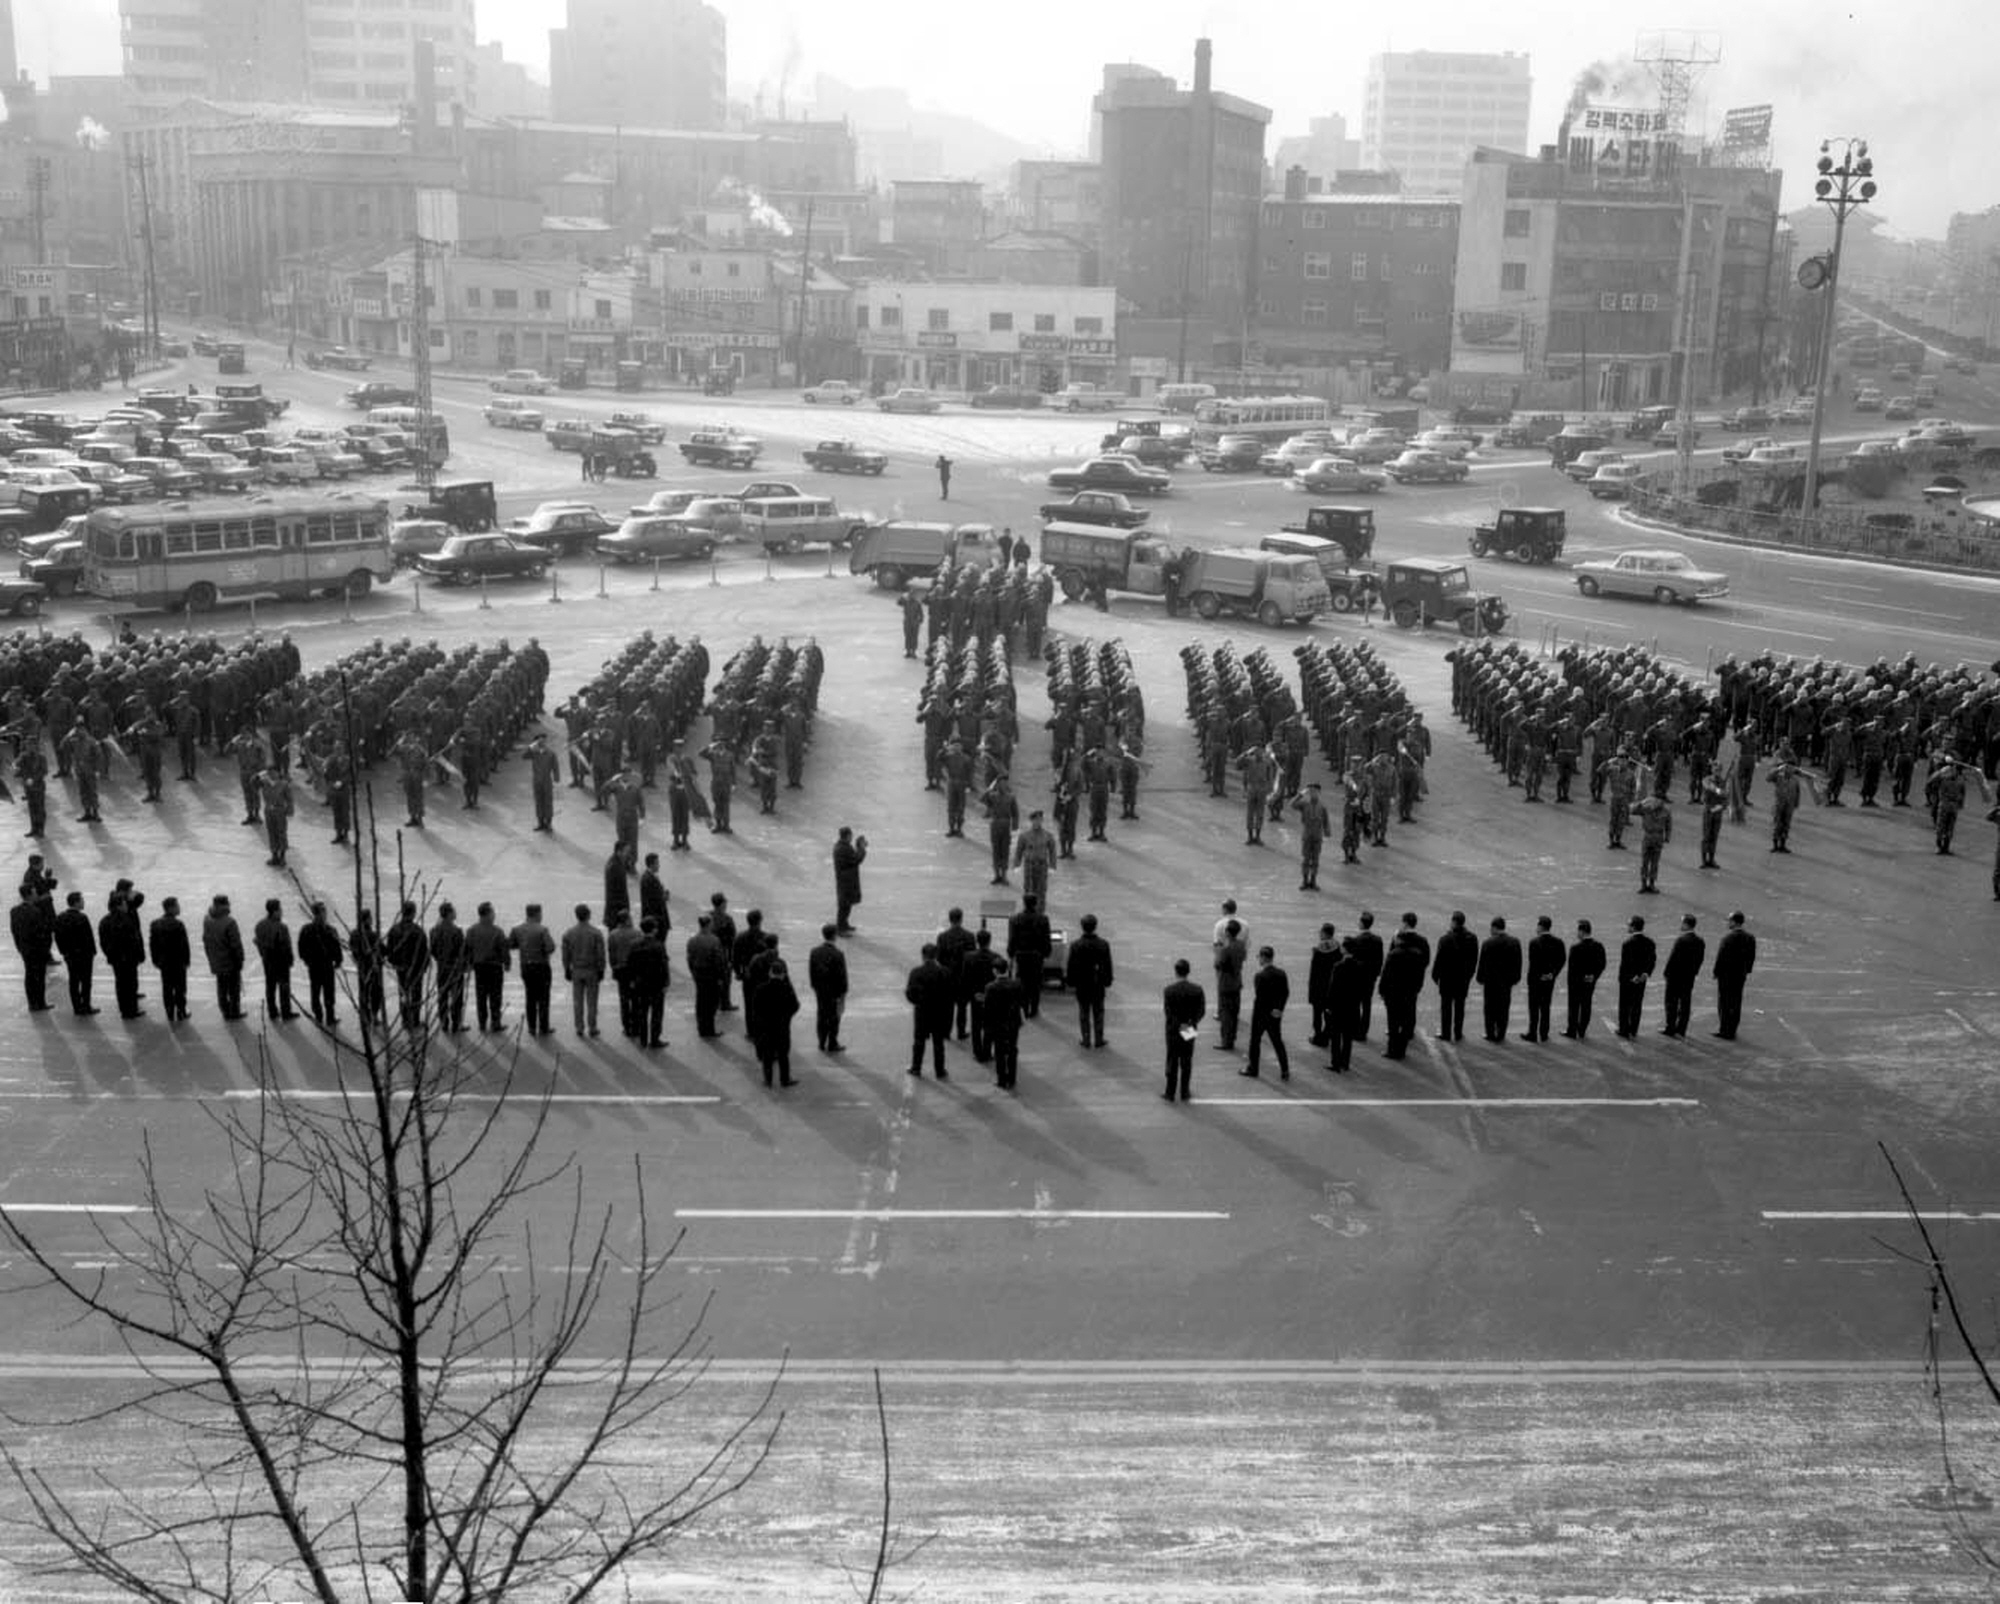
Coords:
1060,198
721,306
640,64
1583,285
1355,280
970,336
504,88
938,220
321,51
1425,111
1182,183
1324,148
1032,256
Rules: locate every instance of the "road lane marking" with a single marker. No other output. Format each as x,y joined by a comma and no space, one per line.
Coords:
1450,1102
1966,1216
884,1216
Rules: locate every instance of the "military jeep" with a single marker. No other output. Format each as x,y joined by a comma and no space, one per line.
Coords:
1526,534
1418,591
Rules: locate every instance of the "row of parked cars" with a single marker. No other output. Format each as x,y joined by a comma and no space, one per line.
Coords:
669,525
1340,462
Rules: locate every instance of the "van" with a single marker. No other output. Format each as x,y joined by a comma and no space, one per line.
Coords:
1183,397
787,523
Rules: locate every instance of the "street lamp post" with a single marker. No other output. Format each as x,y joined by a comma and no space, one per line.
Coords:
1843,185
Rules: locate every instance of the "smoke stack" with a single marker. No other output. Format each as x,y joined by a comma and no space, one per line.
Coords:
1202,51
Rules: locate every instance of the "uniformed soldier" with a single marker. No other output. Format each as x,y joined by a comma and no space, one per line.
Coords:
765,756
187,732
1002,814
721,758
543,769
277,807
339,796
250,764
1656,827
1097,776
1034,856
1314,824
1621,778
1714,803
956,765
31,768
80,750
1258,772
149,737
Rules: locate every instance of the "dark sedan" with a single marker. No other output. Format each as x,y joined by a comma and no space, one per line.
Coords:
1111,473
467,559
844,456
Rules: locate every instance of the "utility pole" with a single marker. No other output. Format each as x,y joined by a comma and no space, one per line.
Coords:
1842,187
420,335
152,317
805,288
1684,423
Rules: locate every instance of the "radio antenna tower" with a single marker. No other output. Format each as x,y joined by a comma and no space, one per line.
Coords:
1677,57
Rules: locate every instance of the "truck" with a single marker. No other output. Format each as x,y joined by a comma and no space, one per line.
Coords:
894,553
1082,555
245,398
1347,585
1245,582
1351,528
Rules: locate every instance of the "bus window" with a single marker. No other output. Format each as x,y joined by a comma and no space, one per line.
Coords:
236,535
346,528
149,545
207,537
180,540
125,545
264,533
319,529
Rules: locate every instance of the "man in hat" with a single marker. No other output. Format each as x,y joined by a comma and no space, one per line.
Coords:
543,769
848,852
1034,856
766,753
1314,823
277,804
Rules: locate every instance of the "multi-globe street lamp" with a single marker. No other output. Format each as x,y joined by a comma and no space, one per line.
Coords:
1846,181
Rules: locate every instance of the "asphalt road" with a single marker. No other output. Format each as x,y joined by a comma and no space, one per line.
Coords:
1493,1322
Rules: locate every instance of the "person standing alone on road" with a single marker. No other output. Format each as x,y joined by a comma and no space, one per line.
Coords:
1735,957
944,477
1088,975
848,853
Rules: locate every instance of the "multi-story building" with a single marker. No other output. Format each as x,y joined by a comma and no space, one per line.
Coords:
1587,288
1426,111
1182,183
965,336
503,87
1060,198
1030,256
640,64
322,51
1324,149
1356,279
722,306
939,220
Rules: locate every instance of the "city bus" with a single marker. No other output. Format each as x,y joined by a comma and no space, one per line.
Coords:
1275,418
426,431
189,555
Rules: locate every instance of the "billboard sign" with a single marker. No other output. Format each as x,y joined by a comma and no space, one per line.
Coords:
1746,128
1489,328
1622,142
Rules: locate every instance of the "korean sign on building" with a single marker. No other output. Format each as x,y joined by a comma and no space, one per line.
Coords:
1622,142
1626,301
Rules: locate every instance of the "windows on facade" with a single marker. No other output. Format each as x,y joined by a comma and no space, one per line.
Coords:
892,317
1515,224
468,343
1319,264
603,306
1045,322
1313,314
541,300
1358,266
1513,275
1089,325
506,300
472,295
861,316
1313,217
937,319
999,322
735,269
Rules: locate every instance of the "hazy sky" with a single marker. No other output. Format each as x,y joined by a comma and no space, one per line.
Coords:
1908,75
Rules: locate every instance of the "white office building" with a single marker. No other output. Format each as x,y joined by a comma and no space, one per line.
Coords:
1427,110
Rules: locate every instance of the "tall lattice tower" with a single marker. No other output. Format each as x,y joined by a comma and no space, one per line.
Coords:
1677,57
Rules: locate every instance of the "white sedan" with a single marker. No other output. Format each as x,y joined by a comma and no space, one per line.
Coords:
521,381
1336,476
1662,576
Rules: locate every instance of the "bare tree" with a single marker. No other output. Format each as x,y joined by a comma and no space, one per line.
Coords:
1965,1501
366,1407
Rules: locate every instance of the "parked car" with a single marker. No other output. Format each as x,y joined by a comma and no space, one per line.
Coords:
1798,410
1454,443
722,447
1111,473
1900,407
218,471
113,481
204,343
1938,432
411,538
1231,453
908,399
521,381
1375,446
169,477
666,503
564,527
642,538
722,516
338,356
380,393
1744,419
762,489
511,412
1773,461
334,458
289,465
1419,466
1337,476
845,456
1669,436
834,392
1613,481
20,597
467,559
1086,398
57,568
1006,396
1667,577
1738,450
1868,399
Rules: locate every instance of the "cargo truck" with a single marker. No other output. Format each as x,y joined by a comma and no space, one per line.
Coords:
894,553
1268,586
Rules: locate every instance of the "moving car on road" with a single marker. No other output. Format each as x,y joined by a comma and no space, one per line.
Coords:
511,412
521,381
1613,481
380,393
1585,465
1111,473
467,559
1336,476
1002,395
1418,466
834,392
1107,507
1424,590
1526,534
647,428
1086,398
1667,577
721,446
338,356
845,456
1231,453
